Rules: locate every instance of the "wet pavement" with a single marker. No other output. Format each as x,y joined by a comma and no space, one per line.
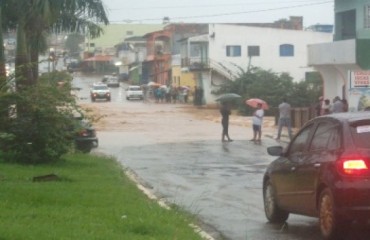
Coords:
180,158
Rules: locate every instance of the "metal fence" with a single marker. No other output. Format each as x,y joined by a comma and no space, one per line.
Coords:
299,116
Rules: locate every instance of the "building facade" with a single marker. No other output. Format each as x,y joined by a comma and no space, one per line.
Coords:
162,45
345,62
230,49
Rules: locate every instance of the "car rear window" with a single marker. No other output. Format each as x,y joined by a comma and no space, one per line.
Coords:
361,133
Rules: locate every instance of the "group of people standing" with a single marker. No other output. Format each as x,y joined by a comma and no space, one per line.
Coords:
171,94
324,107
257,119
258,114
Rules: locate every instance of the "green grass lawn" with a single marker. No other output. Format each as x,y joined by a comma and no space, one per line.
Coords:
93,199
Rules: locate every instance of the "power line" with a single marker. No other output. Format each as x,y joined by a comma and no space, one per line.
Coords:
232,13
210,6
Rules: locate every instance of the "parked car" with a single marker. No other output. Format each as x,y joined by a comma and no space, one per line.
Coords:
324,172
85,136
112,81
105,78
134,91
100,91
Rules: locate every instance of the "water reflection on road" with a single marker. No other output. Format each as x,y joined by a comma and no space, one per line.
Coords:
182,160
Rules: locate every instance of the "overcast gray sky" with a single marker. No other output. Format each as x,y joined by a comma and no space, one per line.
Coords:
219,11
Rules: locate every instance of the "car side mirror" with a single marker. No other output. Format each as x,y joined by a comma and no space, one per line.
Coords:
275,151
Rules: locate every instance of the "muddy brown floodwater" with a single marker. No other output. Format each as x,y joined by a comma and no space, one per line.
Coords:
145,116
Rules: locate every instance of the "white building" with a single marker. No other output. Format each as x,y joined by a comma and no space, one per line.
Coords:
344,63
231,47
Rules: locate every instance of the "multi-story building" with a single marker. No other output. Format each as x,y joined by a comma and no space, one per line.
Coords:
345,62
130,54
161,45
221,55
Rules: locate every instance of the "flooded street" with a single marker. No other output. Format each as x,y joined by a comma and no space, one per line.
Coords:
175,150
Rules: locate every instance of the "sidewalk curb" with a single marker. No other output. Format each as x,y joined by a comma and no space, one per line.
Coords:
133,177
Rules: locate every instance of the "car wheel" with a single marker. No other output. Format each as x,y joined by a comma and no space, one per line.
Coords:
84,147
332,226
272,211
92,99
108,99
127,98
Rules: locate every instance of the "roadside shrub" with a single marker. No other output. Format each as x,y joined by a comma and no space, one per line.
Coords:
36,123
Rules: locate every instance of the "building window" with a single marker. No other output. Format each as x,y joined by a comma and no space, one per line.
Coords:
253,51
286,50
233,51
345,25
367,16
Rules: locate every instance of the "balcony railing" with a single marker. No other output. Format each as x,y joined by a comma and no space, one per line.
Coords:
195,63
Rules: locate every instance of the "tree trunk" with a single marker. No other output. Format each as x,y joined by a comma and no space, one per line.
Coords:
23,74
2,54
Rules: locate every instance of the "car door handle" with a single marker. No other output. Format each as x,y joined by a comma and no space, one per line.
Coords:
317,165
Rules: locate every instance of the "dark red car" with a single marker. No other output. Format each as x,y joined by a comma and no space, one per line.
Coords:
324,172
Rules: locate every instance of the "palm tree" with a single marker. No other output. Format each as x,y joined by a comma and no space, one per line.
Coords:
59,16
38,18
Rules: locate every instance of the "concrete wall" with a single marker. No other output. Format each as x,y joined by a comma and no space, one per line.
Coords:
269,41
327,53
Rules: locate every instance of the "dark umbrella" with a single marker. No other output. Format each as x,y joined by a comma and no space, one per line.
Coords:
228,97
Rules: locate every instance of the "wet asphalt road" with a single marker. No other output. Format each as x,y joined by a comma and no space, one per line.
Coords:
182,161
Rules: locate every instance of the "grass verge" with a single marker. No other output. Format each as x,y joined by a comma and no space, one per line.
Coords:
92,199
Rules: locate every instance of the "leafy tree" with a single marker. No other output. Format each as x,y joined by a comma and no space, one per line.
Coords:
34,120
35,19
273,87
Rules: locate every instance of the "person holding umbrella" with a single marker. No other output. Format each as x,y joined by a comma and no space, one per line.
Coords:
225,113
257,117
257,123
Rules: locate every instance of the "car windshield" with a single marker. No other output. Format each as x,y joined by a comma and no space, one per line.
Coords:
361,133
100,87
134,88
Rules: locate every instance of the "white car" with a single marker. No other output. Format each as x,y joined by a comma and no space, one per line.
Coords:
100,91
112,81
134,91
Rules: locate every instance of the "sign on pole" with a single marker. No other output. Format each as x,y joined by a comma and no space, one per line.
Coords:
359,90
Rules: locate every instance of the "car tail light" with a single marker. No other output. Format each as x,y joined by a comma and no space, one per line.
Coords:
353,167
83,133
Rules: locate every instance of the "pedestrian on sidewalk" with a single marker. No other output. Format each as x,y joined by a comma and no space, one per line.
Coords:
284,119
257,123
225,113
326,108
337,106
